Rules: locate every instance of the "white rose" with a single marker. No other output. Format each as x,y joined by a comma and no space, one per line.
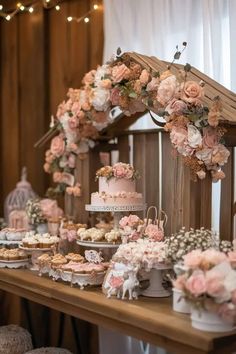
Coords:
167,90
194,136
100,73
100,99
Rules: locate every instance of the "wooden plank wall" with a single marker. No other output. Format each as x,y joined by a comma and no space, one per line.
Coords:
41,56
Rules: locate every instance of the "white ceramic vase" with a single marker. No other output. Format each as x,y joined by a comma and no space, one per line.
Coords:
156,288
42,228
209,322
179,302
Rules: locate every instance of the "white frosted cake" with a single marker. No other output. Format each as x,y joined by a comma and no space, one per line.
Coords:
116,186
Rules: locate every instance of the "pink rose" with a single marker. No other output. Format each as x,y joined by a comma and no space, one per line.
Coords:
86,106
144,77
214,284
133,220
153,84
205,155
57,177
46,167
115,96
176,106
123,221
210,137
48,206
76,107
193,259
167,89
212,257
119,171
88,78
57,146
192,92
134,236
196,283
71,160
120,72
154,232
220,155
106,83
232,258
178,135
61,110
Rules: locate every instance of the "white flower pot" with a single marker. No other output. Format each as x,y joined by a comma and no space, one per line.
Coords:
210,322
155,288
42,228
179,302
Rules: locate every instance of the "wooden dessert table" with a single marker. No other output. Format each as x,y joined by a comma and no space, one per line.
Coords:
151,320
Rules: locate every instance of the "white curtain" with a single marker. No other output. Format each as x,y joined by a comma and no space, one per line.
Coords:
155,27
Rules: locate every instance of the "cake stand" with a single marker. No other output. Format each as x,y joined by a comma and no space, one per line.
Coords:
18,263
156,288
117,210
8,242
35,253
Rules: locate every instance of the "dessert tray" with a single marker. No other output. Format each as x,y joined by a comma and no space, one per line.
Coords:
35,253
17,263
7,242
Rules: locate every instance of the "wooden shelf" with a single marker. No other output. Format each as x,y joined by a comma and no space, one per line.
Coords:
151,320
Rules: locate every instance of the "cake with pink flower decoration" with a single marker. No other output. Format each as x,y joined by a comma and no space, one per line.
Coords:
116,186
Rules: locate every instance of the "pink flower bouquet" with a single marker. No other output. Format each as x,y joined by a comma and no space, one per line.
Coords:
209,282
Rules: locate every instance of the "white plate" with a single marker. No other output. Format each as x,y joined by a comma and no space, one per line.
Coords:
28,249
14,264
7,242
94,244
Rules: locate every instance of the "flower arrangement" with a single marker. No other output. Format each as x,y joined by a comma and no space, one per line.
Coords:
118,170
131,227
182,242
142,253
195,132
209,282
40,210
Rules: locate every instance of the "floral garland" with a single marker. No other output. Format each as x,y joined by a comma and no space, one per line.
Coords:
118,170
194,129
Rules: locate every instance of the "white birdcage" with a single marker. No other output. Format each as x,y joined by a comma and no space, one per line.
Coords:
17,199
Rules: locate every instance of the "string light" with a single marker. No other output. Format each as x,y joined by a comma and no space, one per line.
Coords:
48,5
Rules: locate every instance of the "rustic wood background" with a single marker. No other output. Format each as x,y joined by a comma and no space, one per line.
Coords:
41,56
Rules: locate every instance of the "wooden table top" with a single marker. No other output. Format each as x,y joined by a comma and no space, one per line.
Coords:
149,319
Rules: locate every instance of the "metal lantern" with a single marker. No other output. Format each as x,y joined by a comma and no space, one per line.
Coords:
17,199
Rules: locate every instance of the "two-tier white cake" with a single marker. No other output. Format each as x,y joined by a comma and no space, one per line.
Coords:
116,186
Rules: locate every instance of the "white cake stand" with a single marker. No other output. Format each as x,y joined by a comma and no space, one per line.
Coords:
35,253
156,288
117,210
7,242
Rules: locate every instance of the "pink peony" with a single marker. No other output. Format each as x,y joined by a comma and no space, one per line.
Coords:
57,177
167,89
88,78
201,174
144,77
124,221
176,106
220,155
154,232
153,84
178,135
194,136
196,283
115,96
214,284
193,259
192,92
119,170
57,146
212,257
120,72
205,155
210,137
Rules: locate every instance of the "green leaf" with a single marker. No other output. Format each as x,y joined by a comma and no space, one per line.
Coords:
177,55
133,95
118,52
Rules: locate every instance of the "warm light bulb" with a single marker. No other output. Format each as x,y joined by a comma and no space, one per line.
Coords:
1,7
69,19
31,9
8,17
86,20
57,7
47,0
22,8
95,6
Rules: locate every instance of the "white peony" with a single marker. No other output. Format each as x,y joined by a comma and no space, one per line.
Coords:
194,136
100,99
102,71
